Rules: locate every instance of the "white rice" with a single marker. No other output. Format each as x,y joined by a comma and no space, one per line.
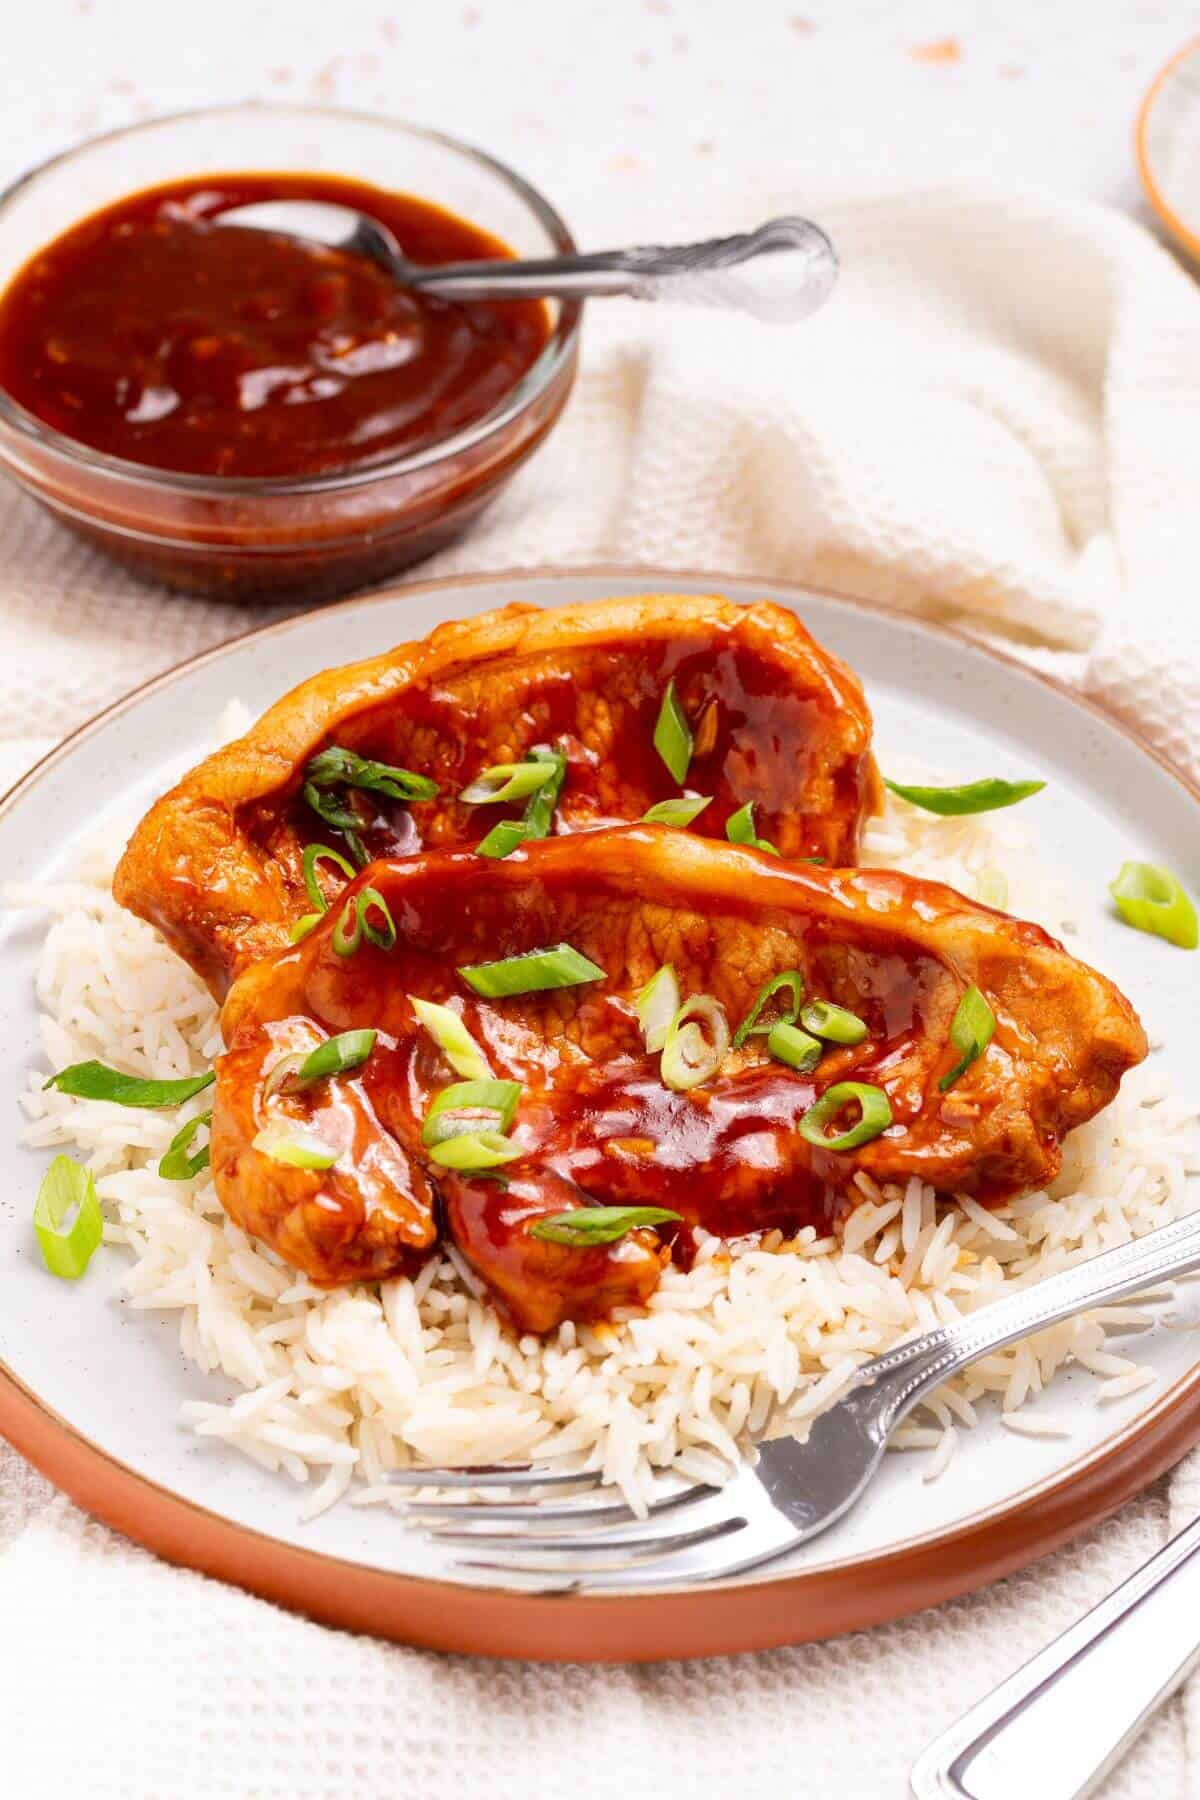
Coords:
341,1387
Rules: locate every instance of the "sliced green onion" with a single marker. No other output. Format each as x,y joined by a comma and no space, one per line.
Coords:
475,1150
657,1003
96,1081
67,1186
558,966
991,888
507,781
589,1225
679,812
509,834
973,797
354,923
1151,899
673,735
503,839
971,1031
689,1055
788,1044
333,811
313,855
303,926
283,1073
176,1164
739,829
297,1149
452,1038
542,802
348,931
454,1111
336,767
370,899
875,1115
793,981
336,1056
329,807
825,1020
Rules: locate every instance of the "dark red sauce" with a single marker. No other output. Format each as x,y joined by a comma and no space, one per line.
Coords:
755,739
154,335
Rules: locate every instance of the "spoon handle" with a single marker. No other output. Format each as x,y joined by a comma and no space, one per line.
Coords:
1058,1725
782,272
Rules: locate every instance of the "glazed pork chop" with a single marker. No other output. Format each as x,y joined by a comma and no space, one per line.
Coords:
601,1119
773,720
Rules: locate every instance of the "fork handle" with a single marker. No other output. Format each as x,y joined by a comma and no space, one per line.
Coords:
912,1369
1058,1725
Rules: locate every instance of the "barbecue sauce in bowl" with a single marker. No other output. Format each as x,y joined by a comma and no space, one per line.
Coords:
152,334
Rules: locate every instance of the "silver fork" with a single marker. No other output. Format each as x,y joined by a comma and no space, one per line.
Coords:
791,1492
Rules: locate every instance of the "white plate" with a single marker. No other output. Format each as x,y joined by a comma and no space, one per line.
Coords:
116,1378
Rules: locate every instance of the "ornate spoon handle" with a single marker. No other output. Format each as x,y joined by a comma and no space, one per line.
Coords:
781,272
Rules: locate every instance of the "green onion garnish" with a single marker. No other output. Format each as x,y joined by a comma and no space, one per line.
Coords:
337,1055
543,800
475,1150
825,1020
875,1115
453,1039
67,1186
689,1055
971,1031
739,829
679,812
673,735
319,853
1151,899
336,767
974,797
559,966
354,923
506,781
308,922
297,1149
504,838
455,1111
334,811
176,1164
657,1003
793,981
788,1044
95,1081
589,1225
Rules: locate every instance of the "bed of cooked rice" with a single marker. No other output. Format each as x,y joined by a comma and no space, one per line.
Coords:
337,1388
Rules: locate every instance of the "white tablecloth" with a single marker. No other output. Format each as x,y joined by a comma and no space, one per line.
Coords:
994,421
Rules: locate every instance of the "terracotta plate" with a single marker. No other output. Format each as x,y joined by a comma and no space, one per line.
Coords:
91,1392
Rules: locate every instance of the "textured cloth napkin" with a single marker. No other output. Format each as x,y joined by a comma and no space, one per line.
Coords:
993,422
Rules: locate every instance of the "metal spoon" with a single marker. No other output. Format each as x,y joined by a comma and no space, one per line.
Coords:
782,272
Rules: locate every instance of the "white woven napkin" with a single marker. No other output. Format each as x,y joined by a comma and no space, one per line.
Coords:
995,421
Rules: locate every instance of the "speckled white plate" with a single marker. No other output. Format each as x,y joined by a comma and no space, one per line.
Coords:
91,1392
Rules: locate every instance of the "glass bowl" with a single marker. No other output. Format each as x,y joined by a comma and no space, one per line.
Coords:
296,537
